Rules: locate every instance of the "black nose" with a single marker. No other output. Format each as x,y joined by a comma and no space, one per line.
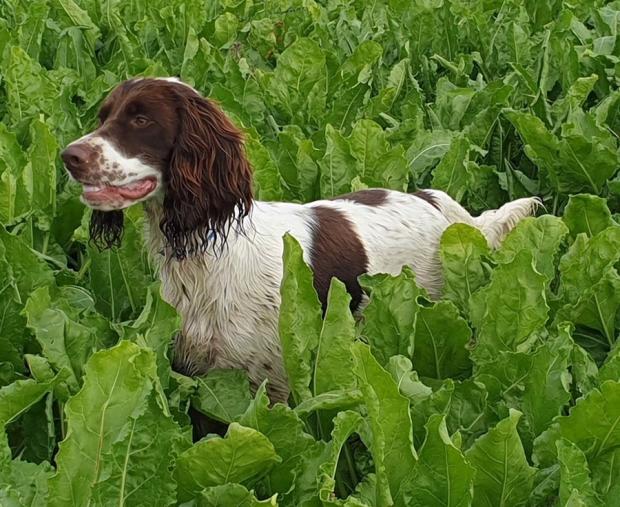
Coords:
77,157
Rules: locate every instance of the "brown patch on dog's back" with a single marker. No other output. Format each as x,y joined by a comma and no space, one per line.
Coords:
336,252
428,197
369,197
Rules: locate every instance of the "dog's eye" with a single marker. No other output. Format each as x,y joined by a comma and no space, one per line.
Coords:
141,121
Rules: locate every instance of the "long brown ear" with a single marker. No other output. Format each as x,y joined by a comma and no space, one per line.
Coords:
209,179
106,228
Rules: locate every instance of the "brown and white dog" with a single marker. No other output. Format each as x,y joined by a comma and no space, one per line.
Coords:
219,251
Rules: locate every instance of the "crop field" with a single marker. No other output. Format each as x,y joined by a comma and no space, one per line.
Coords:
506,392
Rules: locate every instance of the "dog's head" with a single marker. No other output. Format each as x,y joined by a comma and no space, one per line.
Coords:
159,138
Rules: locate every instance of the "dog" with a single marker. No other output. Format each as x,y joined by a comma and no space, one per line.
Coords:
218,250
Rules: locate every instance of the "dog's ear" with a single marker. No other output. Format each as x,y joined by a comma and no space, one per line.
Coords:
209,179
106,228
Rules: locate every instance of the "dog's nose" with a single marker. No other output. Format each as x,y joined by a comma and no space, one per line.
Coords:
77,157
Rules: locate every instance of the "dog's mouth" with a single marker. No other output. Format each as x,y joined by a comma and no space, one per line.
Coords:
112,194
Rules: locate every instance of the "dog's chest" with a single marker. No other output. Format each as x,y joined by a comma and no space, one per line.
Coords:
229,309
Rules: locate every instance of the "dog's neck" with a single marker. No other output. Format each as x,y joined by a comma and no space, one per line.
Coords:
155,240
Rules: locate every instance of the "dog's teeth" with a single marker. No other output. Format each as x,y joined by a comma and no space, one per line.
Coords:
91,188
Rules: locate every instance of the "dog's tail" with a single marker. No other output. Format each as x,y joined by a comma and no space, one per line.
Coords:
494,224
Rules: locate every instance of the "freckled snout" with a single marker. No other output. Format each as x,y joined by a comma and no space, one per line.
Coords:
79,158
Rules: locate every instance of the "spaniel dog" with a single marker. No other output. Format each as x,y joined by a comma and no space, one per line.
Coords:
219,251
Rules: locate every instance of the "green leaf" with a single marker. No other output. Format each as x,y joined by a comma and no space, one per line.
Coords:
243,456
443,476
606,477
574,163
223,394
40,172
230,494
593,425
65,339
575,482
390,317
377,164
286,431
541,236
577,276
503,475
300,319
333,363
450,175
440,342
462,252
266,175
345,424
155,328
337,165
597,307
390,424
510,309
119,278
587,213
19,396
22,483
120,439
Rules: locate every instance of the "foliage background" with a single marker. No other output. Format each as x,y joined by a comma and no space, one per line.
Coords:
506,392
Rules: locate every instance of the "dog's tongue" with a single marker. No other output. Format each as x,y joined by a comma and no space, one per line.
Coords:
131,191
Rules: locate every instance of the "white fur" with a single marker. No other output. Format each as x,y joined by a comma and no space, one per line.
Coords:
114,169
230,303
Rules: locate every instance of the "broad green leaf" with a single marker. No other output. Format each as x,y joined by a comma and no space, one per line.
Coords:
223,394
300,320
606,477
510,309
610,369
426,150
573,163
338,166
597,307
19,397
450,175
27,270
119,278
577,276
587,213
390,317
377,164
547,384
503,475
575,482
443,476
286,431
333,364
345,424
537,383
584,371
593,425
120,438
243,456
63,332
40,172
226,27
230,494
541,236
340,399
266,175
390,424
22,483
462,252
155,328
440,342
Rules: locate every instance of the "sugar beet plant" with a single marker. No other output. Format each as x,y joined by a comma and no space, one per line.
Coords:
504,393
